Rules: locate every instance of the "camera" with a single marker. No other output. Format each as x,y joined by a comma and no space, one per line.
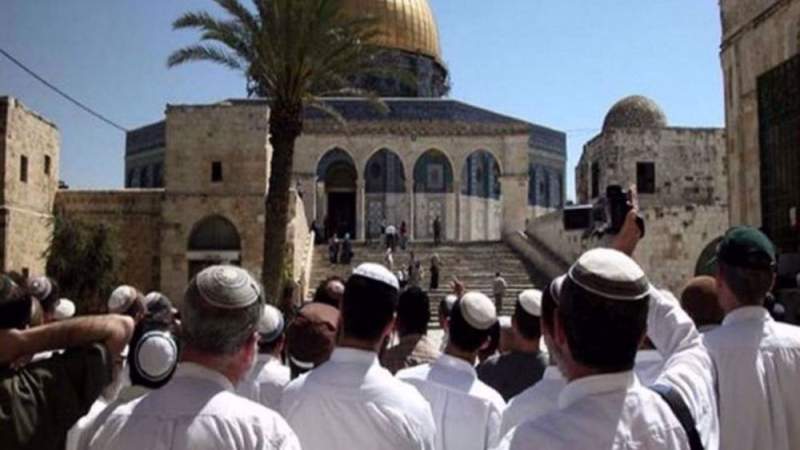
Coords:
606,216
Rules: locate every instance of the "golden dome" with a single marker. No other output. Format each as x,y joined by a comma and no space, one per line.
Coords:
404,24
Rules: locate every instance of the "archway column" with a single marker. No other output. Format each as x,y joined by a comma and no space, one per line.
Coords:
360,209
411,206
457,192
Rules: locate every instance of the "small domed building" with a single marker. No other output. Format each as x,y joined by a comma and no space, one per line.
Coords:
670,165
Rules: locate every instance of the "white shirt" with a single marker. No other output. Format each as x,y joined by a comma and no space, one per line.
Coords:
196,410
758,371
352,403
467,412
648,366
534,401
264,384
615,411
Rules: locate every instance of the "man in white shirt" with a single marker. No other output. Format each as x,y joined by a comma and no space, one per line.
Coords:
265,382
604,405
757,359
351,402
466,410
199,409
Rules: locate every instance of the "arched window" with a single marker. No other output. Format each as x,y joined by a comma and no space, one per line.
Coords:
213,240
433,173
481,175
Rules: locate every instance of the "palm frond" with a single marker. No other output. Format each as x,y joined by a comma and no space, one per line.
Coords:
200,52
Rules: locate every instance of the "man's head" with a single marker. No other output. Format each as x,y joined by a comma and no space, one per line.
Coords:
128,301
413,312
746,264
311,337
330,292
65,309
369,304
445,307
220,313
699,300
159,308
46,291
15,305
600,315
527,312
471,322
270,331
497,274
152,359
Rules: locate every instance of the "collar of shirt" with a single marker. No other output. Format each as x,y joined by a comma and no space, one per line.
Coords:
196,371
552,373
266,358
451,362
648,356
746,314
594,385
349,355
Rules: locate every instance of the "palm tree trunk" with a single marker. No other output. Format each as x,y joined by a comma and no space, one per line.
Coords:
285,125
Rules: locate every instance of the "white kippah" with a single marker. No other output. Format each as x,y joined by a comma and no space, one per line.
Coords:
40,287
227,287
531,302
504,321
449,301
478,310
121,299
156,355
270,326
610,274
64,309
378,273
152,297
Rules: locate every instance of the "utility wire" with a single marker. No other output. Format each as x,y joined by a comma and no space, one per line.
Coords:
62,93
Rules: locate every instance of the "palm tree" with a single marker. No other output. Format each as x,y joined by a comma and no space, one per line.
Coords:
294,53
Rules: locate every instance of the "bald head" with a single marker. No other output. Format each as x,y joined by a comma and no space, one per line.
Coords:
699,300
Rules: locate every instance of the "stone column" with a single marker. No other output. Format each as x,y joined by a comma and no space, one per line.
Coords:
361,209
515,194
411,207
457,191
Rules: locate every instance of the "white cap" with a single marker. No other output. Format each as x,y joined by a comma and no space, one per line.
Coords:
610,274
531,302
478,310
270,326
378,273
156,355
227,287
449,301
40,287
121,299
64,309
504,321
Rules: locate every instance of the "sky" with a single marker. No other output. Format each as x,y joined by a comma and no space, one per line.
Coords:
558,63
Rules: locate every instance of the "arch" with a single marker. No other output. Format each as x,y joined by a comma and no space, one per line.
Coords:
705,264
384,173
433,173
214,233
336,171
213,240
480,176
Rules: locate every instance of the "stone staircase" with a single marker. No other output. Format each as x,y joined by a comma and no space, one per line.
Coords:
473,263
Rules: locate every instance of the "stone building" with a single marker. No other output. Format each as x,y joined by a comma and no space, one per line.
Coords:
760,54
480,172
681,176
29,162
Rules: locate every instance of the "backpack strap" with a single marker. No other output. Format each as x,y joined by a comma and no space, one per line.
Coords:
682,413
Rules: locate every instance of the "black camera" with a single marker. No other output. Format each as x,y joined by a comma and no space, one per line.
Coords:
606,216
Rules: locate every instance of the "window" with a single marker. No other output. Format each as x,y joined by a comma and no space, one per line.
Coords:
216,171
46,164
646,177
23,169
595,180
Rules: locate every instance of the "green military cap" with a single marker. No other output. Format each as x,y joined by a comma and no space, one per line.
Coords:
746,247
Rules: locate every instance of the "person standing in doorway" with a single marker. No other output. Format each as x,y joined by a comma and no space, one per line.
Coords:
437,231
499,287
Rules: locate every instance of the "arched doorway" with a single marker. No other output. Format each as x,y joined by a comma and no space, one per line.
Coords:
214,240
481,206
336,172
385,185
433,189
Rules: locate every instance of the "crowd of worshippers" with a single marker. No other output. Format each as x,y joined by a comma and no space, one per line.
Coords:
599,358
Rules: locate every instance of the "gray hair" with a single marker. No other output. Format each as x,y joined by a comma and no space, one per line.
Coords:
215,330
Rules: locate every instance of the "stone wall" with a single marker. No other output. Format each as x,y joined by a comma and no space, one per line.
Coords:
690,164
134,216
757,35
27,194
675,238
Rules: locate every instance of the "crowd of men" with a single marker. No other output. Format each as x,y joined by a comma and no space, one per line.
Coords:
597,359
